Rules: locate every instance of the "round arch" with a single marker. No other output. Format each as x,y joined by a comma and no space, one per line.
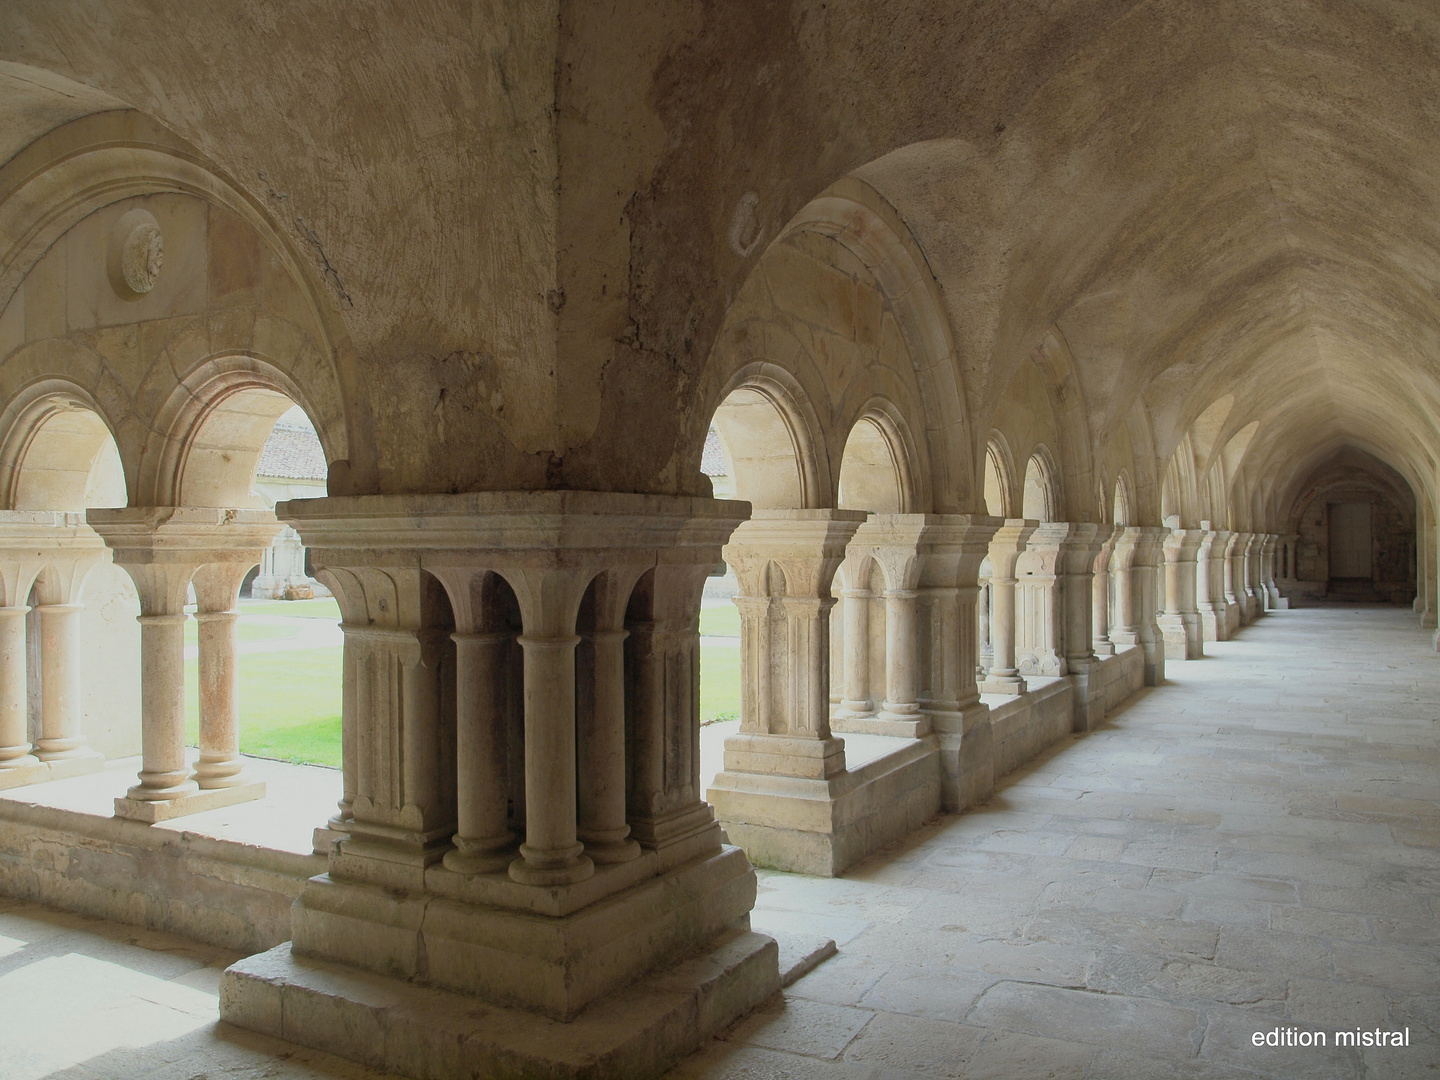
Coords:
770,436
215,423
878,469
999,486
102,158
1042,500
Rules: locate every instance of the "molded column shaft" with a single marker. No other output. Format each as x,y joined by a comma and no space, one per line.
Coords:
901,655
857,700
219,638
552,853
61,698
163,774
14,701
601,753
483,840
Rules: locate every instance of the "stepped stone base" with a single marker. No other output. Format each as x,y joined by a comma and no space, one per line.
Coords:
44,771
431,1034
813,826
196,802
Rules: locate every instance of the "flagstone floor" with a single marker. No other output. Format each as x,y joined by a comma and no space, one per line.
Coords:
1253,847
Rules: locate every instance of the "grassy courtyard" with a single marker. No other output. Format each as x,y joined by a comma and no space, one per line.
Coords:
290,698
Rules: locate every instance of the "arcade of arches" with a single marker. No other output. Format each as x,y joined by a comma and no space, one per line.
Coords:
1045,345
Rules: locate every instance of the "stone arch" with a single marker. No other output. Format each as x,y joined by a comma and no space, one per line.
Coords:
102,158
1124,503
771,438
862,573
211,429
1073,464
878,467
1179,489
56,444
999,486
857,216
1042,499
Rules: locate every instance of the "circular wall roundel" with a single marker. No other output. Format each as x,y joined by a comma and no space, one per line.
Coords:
137,251
142,257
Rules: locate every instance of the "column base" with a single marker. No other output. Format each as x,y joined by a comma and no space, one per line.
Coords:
490,857
611,851
548,870
967,755
905,727
196,802
679,835
1008,685
324,838
65,749
434,1034
814,826
1087,700
222,773
1182,635
40,772
1212,623
553,951
785,755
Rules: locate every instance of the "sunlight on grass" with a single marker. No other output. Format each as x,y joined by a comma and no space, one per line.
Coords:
289,705
325,608
290,701
719,682
249,631
720,621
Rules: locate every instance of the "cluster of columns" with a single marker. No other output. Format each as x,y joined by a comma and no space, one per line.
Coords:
1051,612
1166,590
920,634
808,672
1216,581
166,550
520,739
44,556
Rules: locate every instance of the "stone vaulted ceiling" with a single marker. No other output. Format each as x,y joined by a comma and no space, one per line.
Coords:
1236,197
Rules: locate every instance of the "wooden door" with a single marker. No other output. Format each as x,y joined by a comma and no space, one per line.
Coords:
1350,540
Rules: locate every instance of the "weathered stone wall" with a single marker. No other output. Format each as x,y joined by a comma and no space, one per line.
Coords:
234,895
523,225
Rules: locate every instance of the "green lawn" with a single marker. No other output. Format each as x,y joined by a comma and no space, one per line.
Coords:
289,705
720,621
719,682
290,701
326,608
248,631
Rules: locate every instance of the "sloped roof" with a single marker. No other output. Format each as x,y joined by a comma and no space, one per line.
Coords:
292,453
712,459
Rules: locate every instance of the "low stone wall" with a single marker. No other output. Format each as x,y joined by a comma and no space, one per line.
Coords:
1123,675
1026,725
233,895
824,826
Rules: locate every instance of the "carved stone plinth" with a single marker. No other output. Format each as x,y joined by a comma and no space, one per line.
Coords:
521,834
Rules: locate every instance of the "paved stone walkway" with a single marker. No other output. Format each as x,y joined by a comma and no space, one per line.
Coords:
1255,846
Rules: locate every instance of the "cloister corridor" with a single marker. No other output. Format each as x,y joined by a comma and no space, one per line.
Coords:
1255,844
